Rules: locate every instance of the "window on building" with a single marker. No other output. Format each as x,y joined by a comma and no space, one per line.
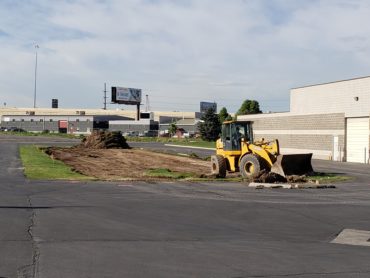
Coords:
41,120
22,120
13,120
77,120
51,120
31,120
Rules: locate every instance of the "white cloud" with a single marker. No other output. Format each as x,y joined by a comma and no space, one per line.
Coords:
179,52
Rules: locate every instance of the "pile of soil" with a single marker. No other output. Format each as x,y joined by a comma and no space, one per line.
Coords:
107,156
124,164
269,177
104,140
297,179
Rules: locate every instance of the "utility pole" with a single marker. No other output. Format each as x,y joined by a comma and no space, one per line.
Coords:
34,93
105,96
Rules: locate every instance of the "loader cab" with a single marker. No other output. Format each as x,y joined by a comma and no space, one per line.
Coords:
233,132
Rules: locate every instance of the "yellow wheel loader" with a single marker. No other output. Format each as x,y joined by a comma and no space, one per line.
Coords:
236,151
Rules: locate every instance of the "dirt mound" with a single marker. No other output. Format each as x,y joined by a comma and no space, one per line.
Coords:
104,140
125,164
269,177
297,179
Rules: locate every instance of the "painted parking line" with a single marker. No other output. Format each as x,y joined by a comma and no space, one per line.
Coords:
353,237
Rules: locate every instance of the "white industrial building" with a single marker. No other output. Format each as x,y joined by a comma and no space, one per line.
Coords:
86,120
330,120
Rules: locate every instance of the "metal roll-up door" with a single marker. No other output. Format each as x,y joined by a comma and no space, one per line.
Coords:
357,140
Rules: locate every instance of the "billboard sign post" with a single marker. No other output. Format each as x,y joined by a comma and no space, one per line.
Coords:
123,95
130,96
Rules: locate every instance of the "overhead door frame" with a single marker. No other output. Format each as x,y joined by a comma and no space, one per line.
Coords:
357,139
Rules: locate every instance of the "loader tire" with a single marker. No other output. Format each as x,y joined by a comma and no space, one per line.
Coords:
251,165
218,163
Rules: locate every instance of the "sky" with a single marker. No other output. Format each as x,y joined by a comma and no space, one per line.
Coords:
178,52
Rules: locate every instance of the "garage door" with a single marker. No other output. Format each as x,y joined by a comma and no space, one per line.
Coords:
358,140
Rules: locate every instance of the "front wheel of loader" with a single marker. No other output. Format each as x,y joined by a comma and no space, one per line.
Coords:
251,165
218,163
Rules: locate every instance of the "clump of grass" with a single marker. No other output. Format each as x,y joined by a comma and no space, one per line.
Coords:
323,178
38,165
167,173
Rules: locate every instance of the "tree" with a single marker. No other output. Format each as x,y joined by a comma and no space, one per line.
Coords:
223,115
172,129
210,127
249,107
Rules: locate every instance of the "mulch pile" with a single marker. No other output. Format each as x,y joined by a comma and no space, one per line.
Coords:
104,140
269,177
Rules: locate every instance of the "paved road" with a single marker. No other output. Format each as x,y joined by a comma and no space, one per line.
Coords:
63,229
168,148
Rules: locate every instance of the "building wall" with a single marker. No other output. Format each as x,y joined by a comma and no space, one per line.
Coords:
301,133
120,111
142,126
335,97
76,124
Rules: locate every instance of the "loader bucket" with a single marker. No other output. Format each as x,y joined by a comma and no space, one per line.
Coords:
292,164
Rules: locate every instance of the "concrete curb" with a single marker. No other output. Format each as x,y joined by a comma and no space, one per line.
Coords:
260,185
270,185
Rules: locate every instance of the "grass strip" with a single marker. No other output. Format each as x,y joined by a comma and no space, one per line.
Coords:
324,178
38,165
44,134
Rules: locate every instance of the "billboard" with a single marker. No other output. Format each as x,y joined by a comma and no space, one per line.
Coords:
126,95
204,106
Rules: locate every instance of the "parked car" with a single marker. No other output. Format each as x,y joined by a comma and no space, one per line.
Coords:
133,134
16,129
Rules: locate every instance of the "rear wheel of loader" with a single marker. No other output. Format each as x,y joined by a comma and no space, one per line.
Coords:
218,163
251,165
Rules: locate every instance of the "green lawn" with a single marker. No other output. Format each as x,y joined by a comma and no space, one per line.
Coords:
48,134
325,178
38,165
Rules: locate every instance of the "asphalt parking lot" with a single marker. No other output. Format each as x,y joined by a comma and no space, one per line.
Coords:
179,229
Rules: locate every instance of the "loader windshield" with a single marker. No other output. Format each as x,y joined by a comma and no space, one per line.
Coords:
233,132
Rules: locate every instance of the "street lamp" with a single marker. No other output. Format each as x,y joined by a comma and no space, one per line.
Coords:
34,95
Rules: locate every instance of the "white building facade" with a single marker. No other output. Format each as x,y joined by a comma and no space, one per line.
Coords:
330,120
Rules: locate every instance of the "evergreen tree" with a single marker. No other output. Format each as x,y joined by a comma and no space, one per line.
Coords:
223,115
210,128
249,107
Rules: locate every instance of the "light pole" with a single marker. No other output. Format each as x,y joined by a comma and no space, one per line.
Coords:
34,95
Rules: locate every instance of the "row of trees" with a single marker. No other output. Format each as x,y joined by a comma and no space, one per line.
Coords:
210,127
